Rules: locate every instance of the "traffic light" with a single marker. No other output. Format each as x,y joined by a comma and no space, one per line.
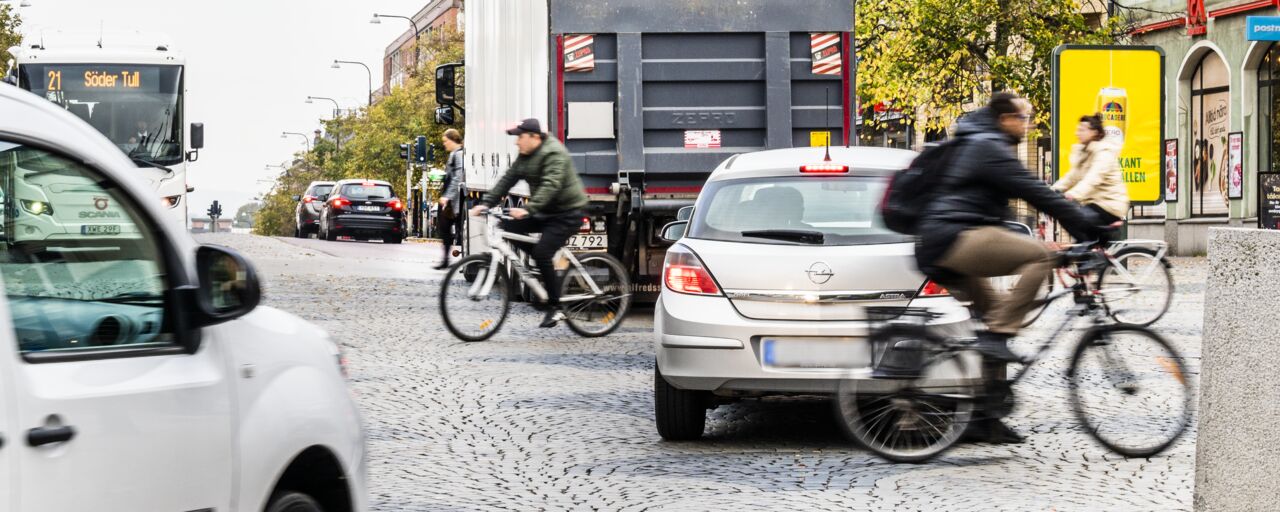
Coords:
215,210
420,149
404,151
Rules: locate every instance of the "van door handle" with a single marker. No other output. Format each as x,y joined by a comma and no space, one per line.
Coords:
40,436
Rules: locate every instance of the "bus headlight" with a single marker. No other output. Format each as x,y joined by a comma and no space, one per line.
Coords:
171,201
37,207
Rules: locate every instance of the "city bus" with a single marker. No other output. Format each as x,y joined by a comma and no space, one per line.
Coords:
133,93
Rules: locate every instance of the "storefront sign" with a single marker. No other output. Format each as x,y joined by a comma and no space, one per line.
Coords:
1125,85
1269,200
1235,167
1171,170
1263,28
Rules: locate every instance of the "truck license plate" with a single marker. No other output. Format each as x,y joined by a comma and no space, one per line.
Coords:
588,242
100,229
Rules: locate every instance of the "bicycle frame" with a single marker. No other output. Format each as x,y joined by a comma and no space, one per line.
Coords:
1086,304
502,254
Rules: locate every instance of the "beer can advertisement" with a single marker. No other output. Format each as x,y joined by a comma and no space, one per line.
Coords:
1124,85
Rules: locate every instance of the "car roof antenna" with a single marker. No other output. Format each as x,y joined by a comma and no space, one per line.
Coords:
826,110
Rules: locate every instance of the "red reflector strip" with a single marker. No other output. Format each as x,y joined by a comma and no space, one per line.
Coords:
824,168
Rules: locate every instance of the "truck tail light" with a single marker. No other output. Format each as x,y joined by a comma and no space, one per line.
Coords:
586,225
932,289
395,204
683,272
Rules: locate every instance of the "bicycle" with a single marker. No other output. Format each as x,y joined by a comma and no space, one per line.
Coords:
476,292
916,418
1136,283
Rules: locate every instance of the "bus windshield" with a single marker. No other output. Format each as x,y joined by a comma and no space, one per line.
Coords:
138,107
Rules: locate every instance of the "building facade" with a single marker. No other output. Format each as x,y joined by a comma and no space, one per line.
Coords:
397,60
1219,89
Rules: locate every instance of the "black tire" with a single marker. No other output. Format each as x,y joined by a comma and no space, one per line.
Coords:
1152,307
1151,370
459,311
291,501
298,232
602,315
393,239
681,414
911,420
330,236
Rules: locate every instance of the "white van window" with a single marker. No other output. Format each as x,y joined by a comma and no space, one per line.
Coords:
81,267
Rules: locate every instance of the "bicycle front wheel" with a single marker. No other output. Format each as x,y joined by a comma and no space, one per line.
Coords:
911,420
474,303
1138,288
1130,390
589,312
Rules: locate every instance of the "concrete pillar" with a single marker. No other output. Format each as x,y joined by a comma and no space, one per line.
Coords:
1237,456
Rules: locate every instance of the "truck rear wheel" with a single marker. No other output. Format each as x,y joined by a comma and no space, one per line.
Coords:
293,502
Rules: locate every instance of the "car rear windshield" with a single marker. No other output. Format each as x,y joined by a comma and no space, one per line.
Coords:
321,190
809,210
367,192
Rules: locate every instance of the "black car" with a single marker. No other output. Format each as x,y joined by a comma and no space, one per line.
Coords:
307,214
364,210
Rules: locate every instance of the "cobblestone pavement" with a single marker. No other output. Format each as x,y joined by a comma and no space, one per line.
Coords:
539,419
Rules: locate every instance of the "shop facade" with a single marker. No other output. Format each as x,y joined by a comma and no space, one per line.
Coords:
1222,119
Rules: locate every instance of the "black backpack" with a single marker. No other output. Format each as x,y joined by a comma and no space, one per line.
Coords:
912,189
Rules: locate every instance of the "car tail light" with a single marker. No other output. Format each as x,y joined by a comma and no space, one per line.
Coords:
932,289
395,204
824,169
683,272
339,202
308,198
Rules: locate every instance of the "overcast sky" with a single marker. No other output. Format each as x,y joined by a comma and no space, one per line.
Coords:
250,67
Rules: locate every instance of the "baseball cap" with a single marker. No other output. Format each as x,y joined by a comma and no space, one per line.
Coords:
526,126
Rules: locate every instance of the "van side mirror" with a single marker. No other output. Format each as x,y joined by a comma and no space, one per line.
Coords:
297,198
228,285
197,135
674,231
685,213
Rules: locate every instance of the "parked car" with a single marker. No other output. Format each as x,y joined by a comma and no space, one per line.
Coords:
138,371
307,214
364,210
767,292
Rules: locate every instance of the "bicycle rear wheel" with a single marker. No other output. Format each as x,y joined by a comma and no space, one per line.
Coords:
1138,288
911,420
590,314
468,311
1130,390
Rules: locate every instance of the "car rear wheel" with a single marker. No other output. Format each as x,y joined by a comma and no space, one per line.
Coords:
330,235
293,502
680,414
393,239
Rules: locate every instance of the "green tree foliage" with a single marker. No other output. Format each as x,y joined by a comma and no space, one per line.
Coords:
370,139
940,55
9,36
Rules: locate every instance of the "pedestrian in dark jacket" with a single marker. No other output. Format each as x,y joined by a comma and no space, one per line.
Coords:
554,208
962,241
448,219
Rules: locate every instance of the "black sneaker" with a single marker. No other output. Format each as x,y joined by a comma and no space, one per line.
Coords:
442,265
995,346
553,317
991,430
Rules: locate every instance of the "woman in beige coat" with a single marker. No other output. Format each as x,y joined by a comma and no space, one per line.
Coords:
1096,180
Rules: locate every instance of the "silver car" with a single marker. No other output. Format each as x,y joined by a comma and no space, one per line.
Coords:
765,291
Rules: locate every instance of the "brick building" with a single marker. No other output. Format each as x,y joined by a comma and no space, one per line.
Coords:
397,60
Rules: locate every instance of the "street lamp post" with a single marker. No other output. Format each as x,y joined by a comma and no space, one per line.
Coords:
285,135
377,19
336,108
338,64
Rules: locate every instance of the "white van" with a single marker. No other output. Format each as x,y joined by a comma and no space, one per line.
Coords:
137,371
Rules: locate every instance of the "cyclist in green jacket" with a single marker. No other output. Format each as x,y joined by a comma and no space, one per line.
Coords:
554,208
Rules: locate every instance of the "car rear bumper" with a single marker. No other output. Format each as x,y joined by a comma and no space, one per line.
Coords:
703,343
365,223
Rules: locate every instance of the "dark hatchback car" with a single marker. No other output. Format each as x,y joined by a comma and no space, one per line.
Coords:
307,214
364,210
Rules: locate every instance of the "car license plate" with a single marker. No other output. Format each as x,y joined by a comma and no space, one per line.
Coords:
588,242
369,208
100,229
815,353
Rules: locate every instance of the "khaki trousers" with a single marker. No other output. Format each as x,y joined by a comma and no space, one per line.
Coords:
985,252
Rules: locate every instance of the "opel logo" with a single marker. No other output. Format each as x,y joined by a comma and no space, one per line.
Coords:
820,273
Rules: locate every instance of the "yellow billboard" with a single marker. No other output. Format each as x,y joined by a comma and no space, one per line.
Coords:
1125,84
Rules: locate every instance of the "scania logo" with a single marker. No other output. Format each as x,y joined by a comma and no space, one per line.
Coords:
100,215
820,273
100,203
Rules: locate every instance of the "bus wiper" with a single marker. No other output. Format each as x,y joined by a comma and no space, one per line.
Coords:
792,235
148,163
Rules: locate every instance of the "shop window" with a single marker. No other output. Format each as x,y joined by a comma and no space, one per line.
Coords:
1210,124
1269,111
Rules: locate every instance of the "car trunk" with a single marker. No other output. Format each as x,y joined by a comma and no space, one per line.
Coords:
779,281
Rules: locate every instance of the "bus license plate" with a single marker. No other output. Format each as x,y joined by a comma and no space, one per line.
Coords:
588,242
100,229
